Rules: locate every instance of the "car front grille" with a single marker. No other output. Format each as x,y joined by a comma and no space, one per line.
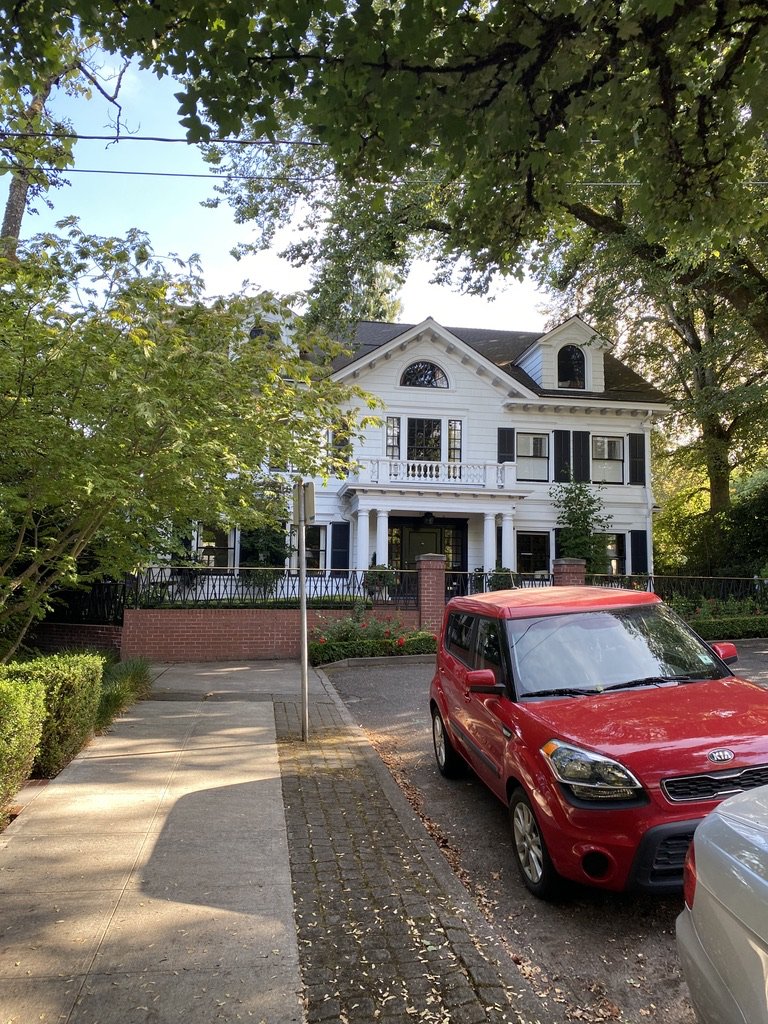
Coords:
714,785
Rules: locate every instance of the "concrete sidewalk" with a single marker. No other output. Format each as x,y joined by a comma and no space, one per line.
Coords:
150,880
169,874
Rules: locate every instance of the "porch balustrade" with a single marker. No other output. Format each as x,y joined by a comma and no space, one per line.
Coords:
491,475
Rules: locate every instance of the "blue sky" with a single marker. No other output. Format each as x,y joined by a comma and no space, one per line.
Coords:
169,209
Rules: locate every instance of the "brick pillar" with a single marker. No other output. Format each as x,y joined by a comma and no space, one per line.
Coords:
431,570
569,572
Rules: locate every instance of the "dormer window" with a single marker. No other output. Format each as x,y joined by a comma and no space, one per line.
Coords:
423,375
571,368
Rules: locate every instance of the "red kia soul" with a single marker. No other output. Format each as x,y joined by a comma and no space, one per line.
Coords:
605,724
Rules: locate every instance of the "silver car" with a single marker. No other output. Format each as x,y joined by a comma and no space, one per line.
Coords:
722,934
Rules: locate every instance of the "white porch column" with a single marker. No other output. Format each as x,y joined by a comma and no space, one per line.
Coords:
489,541
507,541
363,540
382,537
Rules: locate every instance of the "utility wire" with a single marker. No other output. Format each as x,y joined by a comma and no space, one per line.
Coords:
162,174
156,138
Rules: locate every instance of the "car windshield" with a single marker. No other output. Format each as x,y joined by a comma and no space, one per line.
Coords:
590,652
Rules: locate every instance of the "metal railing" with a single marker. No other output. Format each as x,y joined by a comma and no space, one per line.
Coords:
256,587
704,588
99,604
462,584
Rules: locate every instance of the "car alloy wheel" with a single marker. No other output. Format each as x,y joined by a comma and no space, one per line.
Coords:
448,761
536,870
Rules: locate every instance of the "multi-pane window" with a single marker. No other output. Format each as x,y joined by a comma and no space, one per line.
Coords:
423,374
424,440
532,456
315,540
455,440
393,437
214,545
608,460
571,368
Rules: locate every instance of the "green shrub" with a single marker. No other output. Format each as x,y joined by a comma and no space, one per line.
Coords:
22,711
72,685
123,683
736,627
363,636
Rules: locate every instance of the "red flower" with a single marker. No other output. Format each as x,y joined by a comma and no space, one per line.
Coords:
363,625
400,641
322,640
387,633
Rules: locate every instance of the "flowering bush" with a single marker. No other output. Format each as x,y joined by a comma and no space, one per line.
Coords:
360,635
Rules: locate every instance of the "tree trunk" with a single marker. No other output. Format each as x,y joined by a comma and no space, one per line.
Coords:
15,206
715,445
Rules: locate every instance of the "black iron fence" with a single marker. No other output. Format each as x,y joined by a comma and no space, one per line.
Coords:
250,587
257,587
97,604
461,584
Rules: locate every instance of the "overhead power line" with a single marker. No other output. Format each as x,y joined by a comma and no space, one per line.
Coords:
156,138
164,174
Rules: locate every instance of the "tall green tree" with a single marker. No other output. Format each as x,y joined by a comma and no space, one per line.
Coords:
522,114
703,355
129,404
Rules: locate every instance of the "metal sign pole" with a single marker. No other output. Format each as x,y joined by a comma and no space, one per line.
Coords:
299,497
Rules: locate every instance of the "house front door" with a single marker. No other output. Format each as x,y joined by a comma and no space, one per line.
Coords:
410,538
427,540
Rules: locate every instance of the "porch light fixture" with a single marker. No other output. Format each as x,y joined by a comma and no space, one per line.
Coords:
429,519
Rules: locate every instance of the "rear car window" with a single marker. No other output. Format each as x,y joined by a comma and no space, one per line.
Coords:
458,635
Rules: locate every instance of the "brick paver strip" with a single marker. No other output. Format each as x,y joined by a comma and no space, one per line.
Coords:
386,933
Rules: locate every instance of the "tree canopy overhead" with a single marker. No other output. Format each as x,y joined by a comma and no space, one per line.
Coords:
521,115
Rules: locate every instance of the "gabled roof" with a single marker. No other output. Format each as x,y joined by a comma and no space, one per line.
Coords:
504,349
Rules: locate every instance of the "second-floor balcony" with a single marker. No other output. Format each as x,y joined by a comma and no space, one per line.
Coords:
472,475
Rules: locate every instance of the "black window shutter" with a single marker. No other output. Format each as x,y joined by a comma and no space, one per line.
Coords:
562,456
637,459
339,548
638,546
506,444
581,472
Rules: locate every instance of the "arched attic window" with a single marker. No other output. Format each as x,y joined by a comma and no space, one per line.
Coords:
571,368
423,374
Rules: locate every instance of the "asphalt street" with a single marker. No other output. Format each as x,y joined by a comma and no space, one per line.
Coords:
605,957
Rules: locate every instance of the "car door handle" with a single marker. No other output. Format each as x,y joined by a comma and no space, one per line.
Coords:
506,733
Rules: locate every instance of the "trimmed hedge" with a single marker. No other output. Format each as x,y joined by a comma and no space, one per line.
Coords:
72,687
732,627
22,712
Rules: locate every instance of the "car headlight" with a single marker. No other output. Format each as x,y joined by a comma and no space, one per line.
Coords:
590,776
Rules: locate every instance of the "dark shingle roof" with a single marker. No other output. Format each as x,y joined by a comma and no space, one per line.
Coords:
504,349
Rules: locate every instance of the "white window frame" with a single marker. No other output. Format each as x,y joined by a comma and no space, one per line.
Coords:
533,458
608,453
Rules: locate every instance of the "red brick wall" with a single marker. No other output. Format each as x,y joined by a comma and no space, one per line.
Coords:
569,572
227,634
59,636
431,591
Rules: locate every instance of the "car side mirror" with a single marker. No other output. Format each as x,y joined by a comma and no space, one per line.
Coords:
726,651
483,680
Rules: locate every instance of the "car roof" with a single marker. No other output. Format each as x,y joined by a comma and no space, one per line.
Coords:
525,601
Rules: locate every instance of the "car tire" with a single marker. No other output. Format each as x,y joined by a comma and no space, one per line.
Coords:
449,763
530,850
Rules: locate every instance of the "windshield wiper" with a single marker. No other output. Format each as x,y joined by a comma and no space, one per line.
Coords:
562,692
651,681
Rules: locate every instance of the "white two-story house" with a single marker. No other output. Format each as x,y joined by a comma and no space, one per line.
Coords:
477,425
